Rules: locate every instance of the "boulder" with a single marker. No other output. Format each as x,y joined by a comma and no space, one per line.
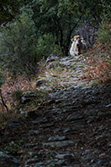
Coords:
7,159
51,58
43,81
26,96
88,32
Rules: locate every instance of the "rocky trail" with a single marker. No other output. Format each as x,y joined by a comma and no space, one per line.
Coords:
72,128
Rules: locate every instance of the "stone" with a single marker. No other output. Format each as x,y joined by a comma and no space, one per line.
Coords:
32,160
2,155
51,58
29,145
107,106
26,96
64,156
57,138
39,164
99,163
4,159
40,82
13,123
59,163
74,116
61,144
33,132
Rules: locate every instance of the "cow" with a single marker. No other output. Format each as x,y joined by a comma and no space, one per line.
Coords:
78,46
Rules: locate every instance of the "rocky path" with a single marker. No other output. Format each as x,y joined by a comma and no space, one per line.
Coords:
70,129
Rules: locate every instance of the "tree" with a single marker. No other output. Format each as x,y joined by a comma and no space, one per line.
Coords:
62,17
18,39
8,10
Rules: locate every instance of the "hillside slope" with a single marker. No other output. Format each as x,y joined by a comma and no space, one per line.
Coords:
69,127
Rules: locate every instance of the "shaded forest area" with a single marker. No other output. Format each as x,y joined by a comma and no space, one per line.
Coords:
32,30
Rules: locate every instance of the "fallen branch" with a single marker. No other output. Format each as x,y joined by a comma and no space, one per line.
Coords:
3,102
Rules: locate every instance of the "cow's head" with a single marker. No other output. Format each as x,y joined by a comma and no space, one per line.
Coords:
77,42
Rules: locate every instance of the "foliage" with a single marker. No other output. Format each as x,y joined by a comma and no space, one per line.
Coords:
104,33
100,71
8,9
46,45
16,95
42,24
62,17
19,41
99,61
2,78
13,147
106,10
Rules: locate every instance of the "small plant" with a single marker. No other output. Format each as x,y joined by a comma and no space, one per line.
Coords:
95,84
16,95
13,147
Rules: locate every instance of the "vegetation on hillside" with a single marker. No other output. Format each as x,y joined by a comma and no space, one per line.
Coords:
99,57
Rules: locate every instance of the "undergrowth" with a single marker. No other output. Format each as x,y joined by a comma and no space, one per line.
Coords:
99,57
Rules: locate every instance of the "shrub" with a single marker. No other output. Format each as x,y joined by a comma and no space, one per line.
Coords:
2,78
18,45
16,95
104,33
46,45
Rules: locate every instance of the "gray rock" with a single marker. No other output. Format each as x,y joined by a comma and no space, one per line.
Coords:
33,132
26,96
107,106
88,32
29,145
32,160
51,58
13,123
40,82
4,159
57,138
59,163
3,155
61,144
66,130
103,114
39,164
74,116
43,120
99,163
64,156
32,154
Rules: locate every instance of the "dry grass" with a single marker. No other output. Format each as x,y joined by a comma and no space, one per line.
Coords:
99,64
10,86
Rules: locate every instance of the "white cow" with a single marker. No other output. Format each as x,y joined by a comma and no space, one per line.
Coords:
78,46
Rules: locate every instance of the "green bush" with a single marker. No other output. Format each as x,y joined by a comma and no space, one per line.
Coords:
46,46
104,33
2,78
22,46
16,95
18,45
